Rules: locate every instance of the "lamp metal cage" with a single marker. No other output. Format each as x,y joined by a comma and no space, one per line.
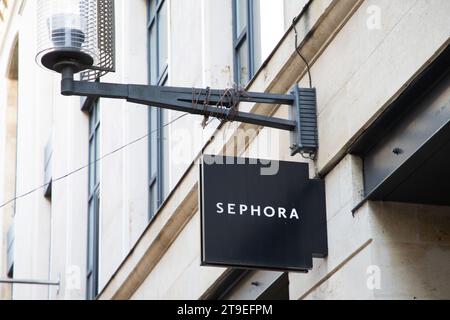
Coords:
80,32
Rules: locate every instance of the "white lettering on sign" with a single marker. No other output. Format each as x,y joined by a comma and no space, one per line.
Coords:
257,211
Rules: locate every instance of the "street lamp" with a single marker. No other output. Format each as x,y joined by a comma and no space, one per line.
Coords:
79,33
77,36
67,32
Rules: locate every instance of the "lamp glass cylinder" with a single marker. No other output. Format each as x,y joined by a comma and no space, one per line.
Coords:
67,32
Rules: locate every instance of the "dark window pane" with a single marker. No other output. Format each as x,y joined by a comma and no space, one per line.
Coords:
242,64
153,55
153,141
90,256
11,272
97,156
256,31
152,8
153,199
241,16
97,112
93,205
91,164
97,213
89,288
92,120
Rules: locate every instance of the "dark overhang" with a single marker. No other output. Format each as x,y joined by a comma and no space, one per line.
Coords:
406,151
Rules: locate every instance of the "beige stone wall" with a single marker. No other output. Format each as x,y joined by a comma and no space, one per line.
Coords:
8,174
389,57
124,176
358,67
33,213
405,256
364,69
8,125
345,70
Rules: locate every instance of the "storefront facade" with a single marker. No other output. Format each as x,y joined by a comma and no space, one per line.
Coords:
128,227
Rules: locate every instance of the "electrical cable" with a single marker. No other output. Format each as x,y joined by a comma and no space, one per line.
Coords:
305,155
308,68
91,163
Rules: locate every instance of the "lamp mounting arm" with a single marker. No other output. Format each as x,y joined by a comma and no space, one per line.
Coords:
215,103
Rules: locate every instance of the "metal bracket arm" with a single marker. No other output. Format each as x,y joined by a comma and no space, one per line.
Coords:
214,103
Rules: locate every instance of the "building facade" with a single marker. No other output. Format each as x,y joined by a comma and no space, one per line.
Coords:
102,196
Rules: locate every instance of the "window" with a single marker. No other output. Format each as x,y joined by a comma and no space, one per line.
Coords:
94,203
246,40
258,26
158,64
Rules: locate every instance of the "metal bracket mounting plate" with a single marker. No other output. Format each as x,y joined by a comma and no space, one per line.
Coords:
304,139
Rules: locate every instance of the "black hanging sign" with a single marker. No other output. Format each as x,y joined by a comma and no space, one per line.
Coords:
259,214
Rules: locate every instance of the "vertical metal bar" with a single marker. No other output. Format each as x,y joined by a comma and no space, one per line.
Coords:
149,164
157,38
149,110
96,240
91,171
160,79
153,23
113,16
159,165
235,57
88,240
94,196
250,35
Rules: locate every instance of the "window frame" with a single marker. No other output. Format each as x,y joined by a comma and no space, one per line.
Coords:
93,223
156,181
246,36
153,21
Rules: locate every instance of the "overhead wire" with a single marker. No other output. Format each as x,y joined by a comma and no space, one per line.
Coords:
90,163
